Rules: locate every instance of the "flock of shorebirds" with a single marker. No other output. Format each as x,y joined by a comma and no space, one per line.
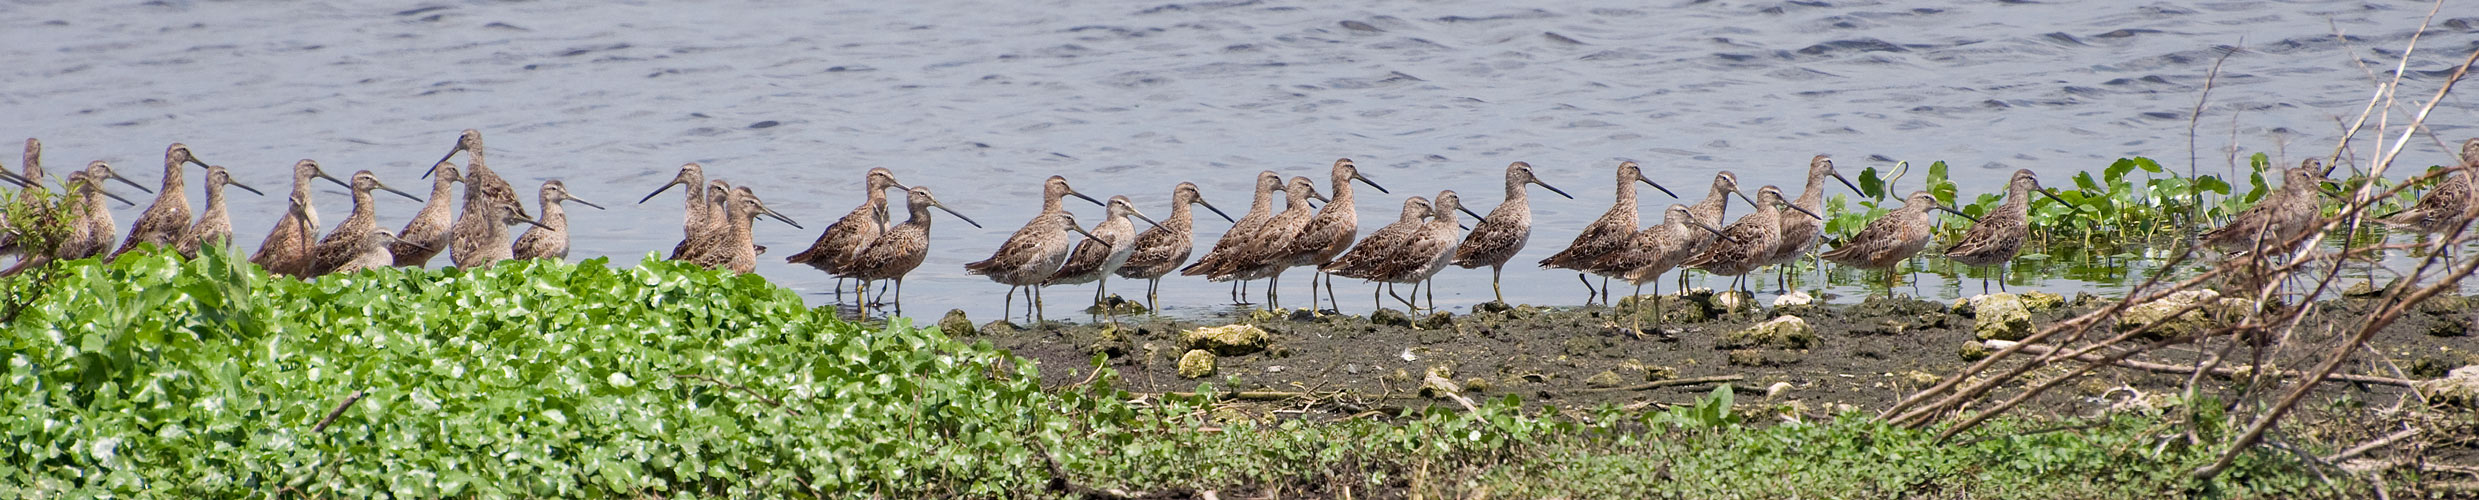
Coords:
1428,236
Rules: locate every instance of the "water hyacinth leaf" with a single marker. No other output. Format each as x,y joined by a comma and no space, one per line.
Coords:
1871,183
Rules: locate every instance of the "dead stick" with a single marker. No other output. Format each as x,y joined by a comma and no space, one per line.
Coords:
2362,449
1670,383
2220,372
339,411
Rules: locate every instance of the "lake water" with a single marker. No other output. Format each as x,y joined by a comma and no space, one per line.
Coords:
981,100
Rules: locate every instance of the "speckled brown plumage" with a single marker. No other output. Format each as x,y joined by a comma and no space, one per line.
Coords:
855,230
165,220
2277,219
549,240
214,226
287,250
1609,234
1036,251
344,242
427,234
901,248
2451,205
1892,238
1166,246
1502,234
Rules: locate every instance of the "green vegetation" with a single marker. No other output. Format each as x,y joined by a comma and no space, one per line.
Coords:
158,377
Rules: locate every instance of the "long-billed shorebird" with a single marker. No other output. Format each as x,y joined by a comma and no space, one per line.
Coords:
1656,250
1114,240
1362,259
1499,236
1799,234
341,243
1263,256
698,212
482,186
1999,234
1713,209
28,195
214,226
736,249
1745,244
427,234
164,221
1260,210
1610,234
854,231
90,222
1166,246
1421,254
1330,231
2278,220
373,253
901,248
1893,238
2448,207
1037,250
549,240
288,248
480,237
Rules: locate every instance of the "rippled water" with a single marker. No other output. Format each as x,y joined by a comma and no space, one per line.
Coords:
981,100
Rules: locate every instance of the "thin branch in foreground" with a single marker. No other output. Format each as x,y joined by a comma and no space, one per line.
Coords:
339,411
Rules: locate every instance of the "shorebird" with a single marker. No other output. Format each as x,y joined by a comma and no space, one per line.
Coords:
214,227
29,196
164,221
373,253
1114,240
1260,210
853,232
737,248
1420,254
901,248
549,239
287,249
1360,261
699,209
1263,256
1164,247
427,234
341,243
91,232
1999,234
1328,233
2278,220
1656,250
1746,243
1714,208
1893,238
1500,235
482,186
1035,252
1610,234
1799,234
480,237
2448,207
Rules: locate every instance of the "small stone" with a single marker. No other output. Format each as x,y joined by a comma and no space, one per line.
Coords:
2460,389
2042,301
2361,290
1400,377
1787,332
1196,364
2449,325
1794,298
1604,379
1975,351
1390,317
1587,345
1275,369
1440,319
956,325
1921,378
1440,370
1353,368
1476,384
1492,307
2000,316
1227,340
1109,341
1734,302
1000,327
2192,322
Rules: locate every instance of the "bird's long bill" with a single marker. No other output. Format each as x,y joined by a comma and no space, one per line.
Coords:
415,244
1562,192
1372,184
193,160
1467,211
1097,240
586,203
1139,216
1656,185
950,211
124,201
675,181
229,182
779,216
1707,227
1750,201
434,166
408,196
1846,181
340,182
12,178
529,220
1217,211
125,180
1805,211
1951,210
2061,201
1097,203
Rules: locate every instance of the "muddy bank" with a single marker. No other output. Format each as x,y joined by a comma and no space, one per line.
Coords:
1863,355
